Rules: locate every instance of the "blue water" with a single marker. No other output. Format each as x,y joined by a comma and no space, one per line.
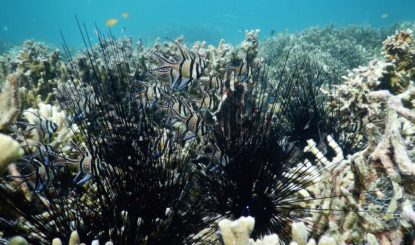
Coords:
196,19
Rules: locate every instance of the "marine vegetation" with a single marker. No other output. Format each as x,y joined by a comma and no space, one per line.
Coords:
125,144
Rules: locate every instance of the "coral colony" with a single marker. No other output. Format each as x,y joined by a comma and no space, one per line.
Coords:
293,140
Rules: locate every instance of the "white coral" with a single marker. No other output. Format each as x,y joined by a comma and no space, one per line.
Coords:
10,151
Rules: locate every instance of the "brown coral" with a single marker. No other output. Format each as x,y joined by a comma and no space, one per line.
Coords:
10,101
399,49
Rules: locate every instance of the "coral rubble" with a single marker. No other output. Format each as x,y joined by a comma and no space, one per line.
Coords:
377,182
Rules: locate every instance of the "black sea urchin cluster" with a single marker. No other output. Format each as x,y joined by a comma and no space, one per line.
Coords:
123,191
160,165
260,134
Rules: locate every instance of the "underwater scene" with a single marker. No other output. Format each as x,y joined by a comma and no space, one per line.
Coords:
268,122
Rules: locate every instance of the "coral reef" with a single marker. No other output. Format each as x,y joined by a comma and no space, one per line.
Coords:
338,48
399,49
377,182
375,185
105,144
38,69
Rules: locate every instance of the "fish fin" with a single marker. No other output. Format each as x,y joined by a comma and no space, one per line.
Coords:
181,83
188,136
161,69
181,48
170,60
81,178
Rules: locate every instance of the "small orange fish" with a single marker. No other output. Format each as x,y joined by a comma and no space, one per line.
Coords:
124,15
111,22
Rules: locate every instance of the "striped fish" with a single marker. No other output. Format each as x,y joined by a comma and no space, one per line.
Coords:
150,94
241,72
185,121
181,73
213,84
38,121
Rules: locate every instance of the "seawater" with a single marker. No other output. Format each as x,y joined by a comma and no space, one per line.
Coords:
196,19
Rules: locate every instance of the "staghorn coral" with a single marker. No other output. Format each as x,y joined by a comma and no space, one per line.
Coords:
353,93
10,102
340,48
399,49
39,70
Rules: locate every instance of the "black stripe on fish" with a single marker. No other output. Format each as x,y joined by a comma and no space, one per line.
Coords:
179,78
197,71
240,69
52,127
46,126
201,66
172,79
192,63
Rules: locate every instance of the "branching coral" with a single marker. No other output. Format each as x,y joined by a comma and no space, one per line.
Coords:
340,48
10,152
399,49
38,68
238,233
10,102
74,239
381,185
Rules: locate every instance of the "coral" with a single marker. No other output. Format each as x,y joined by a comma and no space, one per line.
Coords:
73,240
39,119
351,97
10,102
338,48
379,189
238,233
399,49
10,152
299,233
38,68
18,240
